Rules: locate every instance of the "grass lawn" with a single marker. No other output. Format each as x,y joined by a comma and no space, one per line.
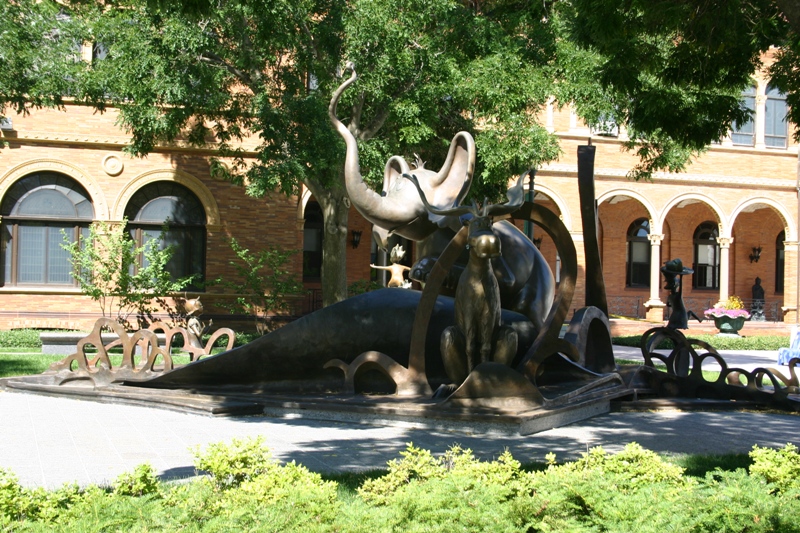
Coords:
27,361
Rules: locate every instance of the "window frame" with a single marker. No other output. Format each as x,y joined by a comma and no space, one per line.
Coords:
746,138
12,220
195,236
771,122
631,241
713,229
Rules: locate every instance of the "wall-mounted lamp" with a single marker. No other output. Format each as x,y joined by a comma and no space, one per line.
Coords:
756,255
356,240
538,242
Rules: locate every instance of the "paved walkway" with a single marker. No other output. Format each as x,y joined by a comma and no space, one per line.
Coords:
744,359
49,441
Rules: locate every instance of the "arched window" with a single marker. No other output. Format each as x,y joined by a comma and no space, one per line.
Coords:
775,128
638,254
38,213
312,242
169,204
706,256
744,133
779,261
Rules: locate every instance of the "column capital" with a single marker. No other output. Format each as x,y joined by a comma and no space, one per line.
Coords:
724,242
655,238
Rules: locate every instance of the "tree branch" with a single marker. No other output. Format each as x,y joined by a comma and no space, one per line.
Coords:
215,60
376,125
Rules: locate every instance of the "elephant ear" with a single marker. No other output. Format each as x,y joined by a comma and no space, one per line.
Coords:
451,184
395,167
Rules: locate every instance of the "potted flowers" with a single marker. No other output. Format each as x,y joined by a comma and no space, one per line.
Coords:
729,317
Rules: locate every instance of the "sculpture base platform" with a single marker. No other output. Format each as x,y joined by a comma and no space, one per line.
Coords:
362,409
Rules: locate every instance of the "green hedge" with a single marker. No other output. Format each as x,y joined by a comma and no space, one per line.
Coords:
20,338
245,490
766,342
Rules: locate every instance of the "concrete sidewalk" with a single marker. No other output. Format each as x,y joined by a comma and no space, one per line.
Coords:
49,441
744,359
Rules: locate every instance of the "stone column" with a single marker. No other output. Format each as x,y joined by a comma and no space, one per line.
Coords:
790,280
654,306
724,268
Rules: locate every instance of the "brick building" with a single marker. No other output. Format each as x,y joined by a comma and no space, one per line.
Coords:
732,216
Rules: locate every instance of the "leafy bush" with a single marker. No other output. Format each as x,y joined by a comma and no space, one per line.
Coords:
11,496
361,286
229,465
634,490
263,283
141,481
419,466
20,338
107,266
779,467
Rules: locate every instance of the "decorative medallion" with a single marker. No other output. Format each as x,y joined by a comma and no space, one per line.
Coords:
112,164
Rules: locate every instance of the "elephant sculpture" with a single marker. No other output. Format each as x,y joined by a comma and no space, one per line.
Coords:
526,283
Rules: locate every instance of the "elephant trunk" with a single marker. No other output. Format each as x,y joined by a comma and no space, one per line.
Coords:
376,208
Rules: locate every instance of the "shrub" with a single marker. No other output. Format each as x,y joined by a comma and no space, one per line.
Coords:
263,284
11,496
142,480
765,342
229,465
20,338
107,266
419,466
779,467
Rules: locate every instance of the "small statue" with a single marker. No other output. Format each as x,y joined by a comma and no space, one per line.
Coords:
673,275
757,309
397,270
194,327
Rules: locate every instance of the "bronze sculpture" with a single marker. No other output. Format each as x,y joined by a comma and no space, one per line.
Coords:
526,283
478,335
396,269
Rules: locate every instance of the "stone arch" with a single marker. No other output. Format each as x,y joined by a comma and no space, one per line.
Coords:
725,230
651,210
302,202
558,200
780,210
187,180
99,202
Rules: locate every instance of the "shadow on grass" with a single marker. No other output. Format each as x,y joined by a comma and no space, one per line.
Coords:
699,465
25,365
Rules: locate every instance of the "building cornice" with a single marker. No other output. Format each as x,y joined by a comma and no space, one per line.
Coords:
108,142
619,174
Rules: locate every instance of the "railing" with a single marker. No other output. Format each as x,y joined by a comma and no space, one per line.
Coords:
313,301
771,311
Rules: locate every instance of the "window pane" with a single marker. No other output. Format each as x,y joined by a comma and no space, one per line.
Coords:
46,202
30,263
5,247
58,267
775,129
640,274
742,134
641,252
706,254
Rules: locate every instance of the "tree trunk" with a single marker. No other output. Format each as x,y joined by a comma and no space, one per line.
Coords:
335,207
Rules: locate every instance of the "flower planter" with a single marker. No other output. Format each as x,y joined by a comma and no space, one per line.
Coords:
729,325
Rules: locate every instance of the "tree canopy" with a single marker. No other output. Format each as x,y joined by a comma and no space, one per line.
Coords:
222,72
